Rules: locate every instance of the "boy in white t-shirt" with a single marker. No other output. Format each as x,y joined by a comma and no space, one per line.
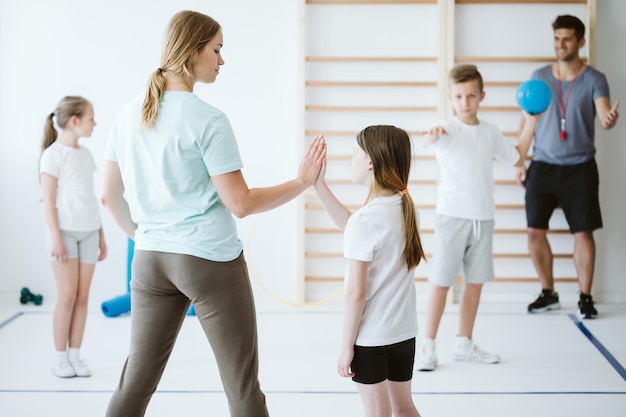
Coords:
465,148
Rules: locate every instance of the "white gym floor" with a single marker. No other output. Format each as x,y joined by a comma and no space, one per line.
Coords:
552,365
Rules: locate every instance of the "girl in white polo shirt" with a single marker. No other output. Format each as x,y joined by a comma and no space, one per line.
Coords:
383,248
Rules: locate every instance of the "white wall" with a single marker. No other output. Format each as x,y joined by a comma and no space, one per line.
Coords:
611,240
105,51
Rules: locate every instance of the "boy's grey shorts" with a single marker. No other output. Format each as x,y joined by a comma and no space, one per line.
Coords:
82,245
462,246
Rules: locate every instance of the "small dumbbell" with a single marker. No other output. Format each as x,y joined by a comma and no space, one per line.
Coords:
27,296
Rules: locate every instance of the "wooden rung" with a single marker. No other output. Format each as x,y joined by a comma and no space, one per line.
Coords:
332,230
319,83
349,157
371,59
429,255
403,108
513,59
349,182
317,206
311,278
502,83
500,108
350,133
372,108
414,157
371,1
519,1
413,182
504,59
371,84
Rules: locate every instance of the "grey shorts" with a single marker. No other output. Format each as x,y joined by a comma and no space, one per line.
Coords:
82,245
462,246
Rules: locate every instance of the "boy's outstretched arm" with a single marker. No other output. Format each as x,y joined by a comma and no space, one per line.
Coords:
338,213
432,135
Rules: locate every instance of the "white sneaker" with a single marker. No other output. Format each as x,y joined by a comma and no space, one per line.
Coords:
63,369
428,361
80,368
468,351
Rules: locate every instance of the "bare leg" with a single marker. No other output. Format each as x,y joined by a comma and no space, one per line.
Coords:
436,306
584,259
468,308
401,401
541,255
79,315
66,276
375,398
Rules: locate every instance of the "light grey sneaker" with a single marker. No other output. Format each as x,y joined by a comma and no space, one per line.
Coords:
63,369
428,360
468,351
80,368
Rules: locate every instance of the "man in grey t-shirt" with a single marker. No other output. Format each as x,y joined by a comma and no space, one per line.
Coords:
563,171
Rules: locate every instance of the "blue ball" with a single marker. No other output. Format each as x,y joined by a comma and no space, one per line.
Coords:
533,96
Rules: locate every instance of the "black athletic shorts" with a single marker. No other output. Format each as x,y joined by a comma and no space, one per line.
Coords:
372,365
572,187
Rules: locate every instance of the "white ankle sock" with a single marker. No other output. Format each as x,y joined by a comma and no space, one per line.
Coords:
61,355
74,354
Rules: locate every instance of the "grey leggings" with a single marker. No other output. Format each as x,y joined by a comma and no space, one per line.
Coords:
163,285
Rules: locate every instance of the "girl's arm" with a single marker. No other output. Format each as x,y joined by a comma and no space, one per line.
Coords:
338,213
49,189
113,198
242,201
353,311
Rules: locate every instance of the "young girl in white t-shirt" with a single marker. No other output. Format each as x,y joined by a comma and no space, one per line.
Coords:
75,237
383,248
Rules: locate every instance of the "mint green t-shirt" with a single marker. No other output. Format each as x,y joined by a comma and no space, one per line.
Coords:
167,173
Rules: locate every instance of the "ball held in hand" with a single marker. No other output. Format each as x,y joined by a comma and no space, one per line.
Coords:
533,96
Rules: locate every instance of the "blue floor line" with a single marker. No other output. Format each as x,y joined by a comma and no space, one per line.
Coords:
604,351
10,319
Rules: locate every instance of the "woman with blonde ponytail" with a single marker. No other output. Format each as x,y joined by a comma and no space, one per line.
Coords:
75,237
172,182
383,248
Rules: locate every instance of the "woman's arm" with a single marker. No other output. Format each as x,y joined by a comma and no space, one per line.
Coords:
49,189
243,201
353,311
113,198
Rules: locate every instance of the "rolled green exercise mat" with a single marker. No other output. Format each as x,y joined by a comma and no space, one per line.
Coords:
116,306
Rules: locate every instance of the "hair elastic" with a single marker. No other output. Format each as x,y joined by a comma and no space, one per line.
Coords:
403,192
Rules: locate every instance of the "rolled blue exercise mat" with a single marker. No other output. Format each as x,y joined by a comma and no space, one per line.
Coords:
116,306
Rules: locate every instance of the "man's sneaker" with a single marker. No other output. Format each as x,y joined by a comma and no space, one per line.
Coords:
428,360
585,304
547,300
468,351
80,368
63,369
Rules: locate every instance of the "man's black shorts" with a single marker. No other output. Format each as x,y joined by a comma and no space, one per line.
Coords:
572,187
